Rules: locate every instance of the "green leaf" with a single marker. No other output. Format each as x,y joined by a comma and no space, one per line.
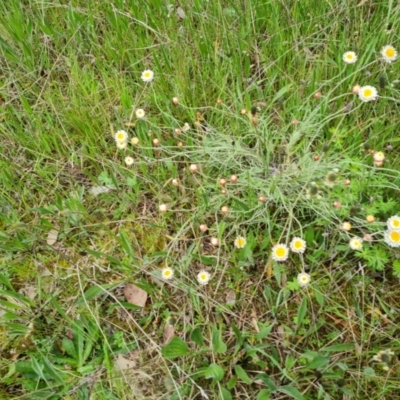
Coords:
264,394
69,347
319,296
319,361
241,374
264,332
99,254
224,394
95,291
175,348
4,280
196,336
291,391
302,311
126,244
214,371
267,381
218,344
340,347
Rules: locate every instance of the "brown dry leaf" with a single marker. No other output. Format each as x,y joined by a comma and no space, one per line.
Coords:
180,12
123,363
254,320
52,237
135,295
30,291
231,297
168,333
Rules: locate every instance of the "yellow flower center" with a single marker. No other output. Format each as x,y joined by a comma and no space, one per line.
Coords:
167,272
298,244
241,242
349,56
395,236
121,136
356,243
203,277
396,223
280,252
390,52
304,279
367,92
147,74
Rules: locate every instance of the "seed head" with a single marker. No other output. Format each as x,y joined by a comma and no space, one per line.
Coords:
224,209
214,241
234,178
203,228
194,168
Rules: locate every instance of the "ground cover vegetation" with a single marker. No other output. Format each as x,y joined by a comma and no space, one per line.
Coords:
199,200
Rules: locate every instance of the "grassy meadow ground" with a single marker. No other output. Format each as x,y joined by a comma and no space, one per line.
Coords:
85,238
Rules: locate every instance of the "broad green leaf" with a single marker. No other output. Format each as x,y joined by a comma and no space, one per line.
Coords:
99,254
264,332
291,391
241,374
69,347
224,394
267,381
4,280
95,291
196,336
126,244
175,348
232,382
214,371
340,347
264,394
302,311
319,361
217,343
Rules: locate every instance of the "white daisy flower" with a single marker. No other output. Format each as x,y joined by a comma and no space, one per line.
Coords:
389,53
135,141
303,279
185,127
240,242
167,273
355,243
121,136
392,238
349,57
393,222
298,245
129,161
346,226
122,145
280,252
379,156
140,113
147,75
367,93
203,277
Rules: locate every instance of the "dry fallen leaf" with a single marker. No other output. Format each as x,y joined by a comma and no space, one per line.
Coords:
123,363
135,295
180,12
96,190
231,297
30,291
168,333
52,237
